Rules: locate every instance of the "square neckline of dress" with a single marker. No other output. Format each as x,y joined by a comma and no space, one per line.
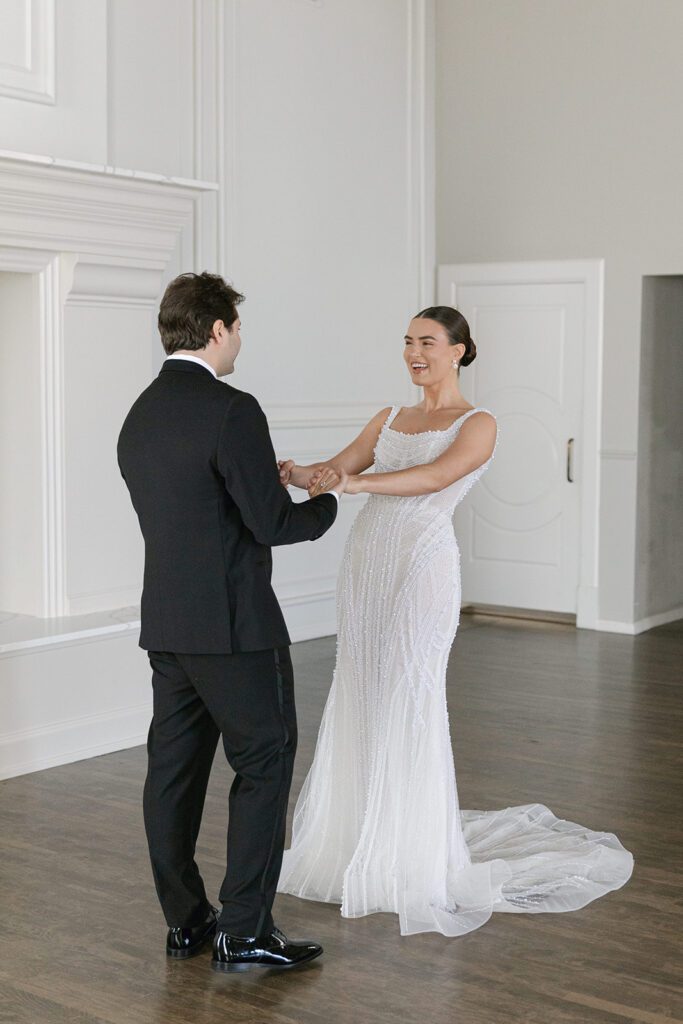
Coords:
418,433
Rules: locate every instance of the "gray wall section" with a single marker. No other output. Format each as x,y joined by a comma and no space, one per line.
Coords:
659,548
558,137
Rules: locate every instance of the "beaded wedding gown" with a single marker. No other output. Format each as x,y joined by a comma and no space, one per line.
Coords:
377,826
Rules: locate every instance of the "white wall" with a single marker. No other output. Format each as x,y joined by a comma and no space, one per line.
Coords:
150,90
318,237
73,40
558,136
123,92
659,580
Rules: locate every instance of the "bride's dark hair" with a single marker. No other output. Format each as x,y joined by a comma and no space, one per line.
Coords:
457,329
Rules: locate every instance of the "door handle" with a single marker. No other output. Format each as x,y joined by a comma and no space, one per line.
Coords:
570,460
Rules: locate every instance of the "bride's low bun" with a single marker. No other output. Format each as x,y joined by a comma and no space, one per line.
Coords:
456,327
470,353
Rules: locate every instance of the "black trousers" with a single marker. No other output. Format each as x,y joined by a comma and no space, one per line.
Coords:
248,700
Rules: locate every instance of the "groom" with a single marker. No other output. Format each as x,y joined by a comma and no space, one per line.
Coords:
198,461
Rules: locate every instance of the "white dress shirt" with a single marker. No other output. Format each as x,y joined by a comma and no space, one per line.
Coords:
203,362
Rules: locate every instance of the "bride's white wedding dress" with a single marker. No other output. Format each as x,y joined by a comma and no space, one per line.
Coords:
377,826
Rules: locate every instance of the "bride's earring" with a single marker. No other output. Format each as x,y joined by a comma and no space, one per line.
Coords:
455,364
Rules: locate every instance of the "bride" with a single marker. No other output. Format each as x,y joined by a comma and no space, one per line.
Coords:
377,826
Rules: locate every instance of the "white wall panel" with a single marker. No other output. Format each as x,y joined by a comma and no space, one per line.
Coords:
69,119
321,207
27,50
150,92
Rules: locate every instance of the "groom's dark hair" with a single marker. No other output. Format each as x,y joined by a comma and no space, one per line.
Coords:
191,305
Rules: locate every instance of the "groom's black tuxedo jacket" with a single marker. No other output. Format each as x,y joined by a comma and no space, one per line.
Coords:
197,458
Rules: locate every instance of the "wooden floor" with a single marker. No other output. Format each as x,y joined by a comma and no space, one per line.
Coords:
588,723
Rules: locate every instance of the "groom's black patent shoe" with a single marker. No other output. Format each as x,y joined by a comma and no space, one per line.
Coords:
184,942
237,953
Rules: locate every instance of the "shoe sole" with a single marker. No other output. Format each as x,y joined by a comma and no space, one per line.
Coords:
234,968
185,954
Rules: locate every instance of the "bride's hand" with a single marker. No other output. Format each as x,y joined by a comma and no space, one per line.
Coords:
316,473
324,479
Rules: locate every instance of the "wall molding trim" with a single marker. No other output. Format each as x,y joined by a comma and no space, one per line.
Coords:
618,453
32,75
53,283
309,415
226,38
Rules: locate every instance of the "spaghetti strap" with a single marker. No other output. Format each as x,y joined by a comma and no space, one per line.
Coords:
395,410
471,412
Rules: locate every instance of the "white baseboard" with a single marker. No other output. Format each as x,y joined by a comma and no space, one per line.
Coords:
33,750
640,625
660,619
614,626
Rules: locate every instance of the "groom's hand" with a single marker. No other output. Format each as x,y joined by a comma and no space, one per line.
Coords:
285,466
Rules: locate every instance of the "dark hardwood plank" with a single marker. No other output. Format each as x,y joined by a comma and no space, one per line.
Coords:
588,723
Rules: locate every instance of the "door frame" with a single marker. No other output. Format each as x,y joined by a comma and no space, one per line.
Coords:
590,273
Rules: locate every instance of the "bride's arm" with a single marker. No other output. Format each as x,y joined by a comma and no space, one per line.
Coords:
471,448
356,457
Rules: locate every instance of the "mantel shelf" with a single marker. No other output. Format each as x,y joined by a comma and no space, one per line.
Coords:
107,170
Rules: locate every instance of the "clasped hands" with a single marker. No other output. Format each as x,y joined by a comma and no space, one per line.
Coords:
317,479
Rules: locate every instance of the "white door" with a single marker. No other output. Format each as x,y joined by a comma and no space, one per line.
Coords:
518,529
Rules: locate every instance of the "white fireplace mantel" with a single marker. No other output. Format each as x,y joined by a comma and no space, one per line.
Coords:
85,252
98,241
133,217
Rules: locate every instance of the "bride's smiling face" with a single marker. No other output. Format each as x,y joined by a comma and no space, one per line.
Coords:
428,353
